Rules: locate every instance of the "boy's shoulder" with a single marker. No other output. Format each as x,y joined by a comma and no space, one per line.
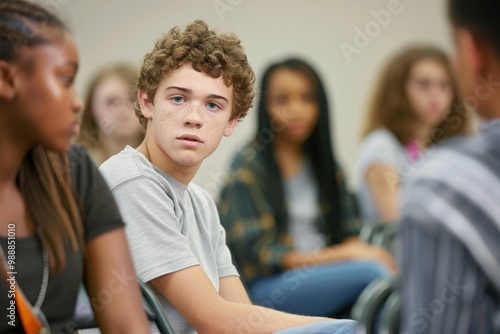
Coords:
127,165
200,195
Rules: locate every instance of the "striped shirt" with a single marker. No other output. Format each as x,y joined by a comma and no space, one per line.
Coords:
450,238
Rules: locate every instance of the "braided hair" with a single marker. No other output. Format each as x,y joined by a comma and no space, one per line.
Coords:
44,176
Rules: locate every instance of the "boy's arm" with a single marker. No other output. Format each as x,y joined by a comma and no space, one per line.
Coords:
230,285
231,289
193,295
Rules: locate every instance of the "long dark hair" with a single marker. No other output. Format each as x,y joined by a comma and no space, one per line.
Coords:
44,175
317,147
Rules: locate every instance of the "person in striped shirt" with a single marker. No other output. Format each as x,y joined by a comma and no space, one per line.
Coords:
450,228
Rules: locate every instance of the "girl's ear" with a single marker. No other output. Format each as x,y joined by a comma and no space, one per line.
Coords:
146,104
7,87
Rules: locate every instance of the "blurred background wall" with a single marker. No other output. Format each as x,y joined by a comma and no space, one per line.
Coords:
346,40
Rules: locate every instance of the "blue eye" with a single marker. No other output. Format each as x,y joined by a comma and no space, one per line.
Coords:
177,99
212,106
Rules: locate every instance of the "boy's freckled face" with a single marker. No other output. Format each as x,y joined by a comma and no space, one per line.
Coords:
190,114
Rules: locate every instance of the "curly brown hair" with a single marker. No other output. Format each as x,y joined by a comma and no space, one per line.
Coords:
207,51
390,107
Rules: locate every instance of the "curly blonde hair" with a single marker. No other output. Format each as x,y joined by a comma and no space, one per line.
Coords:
207,51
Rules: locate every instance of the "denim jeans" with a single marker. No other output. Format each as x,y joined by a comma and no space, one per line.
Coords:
320,290
323,327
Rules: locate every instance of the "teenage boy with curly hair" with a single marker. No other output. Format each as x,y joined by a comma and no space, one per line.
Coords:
193,87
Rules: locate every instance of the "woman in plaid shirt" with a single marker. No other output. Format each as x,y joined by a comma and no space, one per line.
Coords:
289,218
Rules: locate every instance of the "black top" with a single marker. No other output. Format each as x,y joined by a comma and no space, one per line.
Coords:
102,215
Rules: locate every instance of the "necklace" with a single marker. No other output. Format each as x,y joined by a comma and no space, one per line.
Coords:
45,278
43,289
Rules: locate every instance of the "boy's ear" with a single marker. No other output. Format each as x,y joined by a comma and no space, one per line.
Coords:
470,61
473,51
7,87
231,125
146,104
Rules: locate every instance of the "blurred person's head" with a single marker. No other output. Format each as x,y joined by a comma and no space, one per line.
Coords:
39,61
417,90
477,38
109,122
291,100
293,107
38,116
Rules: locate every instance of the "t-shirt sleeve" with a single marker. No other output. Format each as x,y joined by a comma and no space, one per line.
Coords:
153,228
99,207
380,147
225,265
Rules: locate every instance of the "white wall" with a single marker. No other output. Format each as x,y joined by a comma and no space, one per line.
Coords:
114,30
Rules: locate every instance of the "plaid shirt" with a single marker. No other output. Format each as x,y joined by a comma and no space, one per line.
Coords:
255,237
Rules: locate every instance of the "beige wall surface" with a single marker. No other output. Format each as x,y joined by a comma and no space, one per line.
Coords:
347,41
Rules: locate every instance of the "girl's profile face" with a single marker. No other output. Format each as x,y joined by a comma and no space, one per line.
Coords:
113,107
429,90
45,95
292,105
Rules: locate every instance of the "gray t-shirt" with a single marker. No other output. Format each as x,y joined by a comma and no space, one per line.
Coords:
379,147
169,226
